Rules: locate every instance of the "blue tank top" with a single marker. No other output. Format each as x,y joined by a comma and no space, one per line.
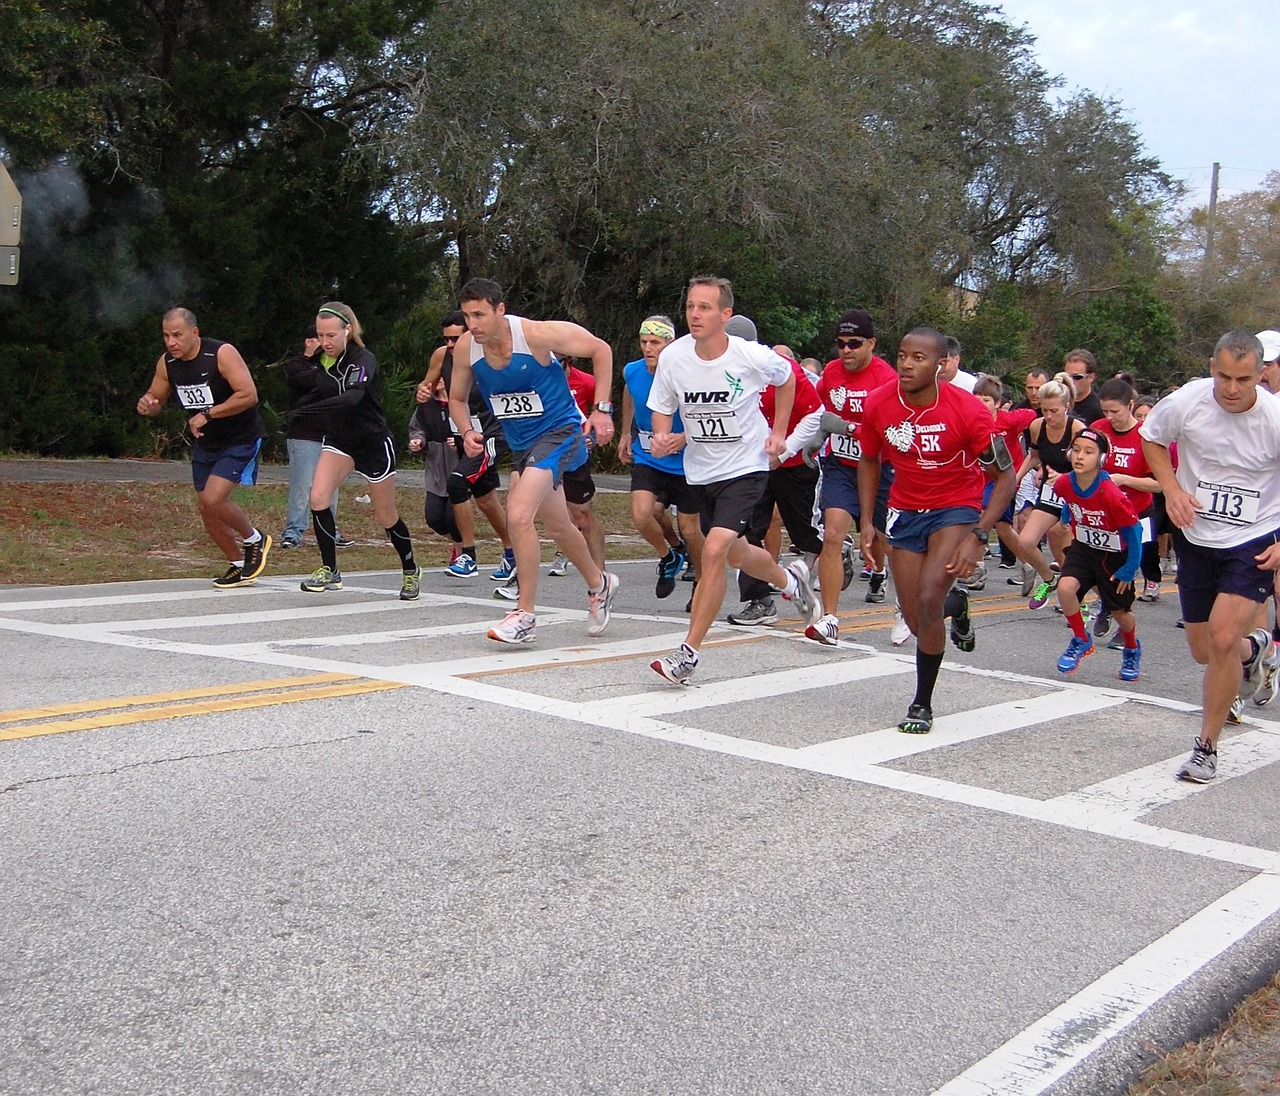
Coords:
639,381
528,398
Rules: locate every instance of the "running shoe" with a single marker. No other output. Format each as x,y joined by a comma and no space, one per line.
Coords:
957,608
463,567
690,574
322,579
505,569
848,561
977,581
1131,663
1008,564
1235,714
1076,650
919,720
678,666
1150,592
510,590
810,607
1270,679
669,566
255,558
1029,580
559,566
1202,765
689,604
1040,598
232,577
289,542
411,585
867,572
598,605
826,631
900,632
1102,626
516,627
761,611
1116,642
1251,678
875,588
339,541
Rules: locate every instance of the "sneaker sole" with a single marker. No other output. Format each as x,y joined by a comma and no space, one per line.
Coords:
1074,668
812,632
267,542
657,667
511,642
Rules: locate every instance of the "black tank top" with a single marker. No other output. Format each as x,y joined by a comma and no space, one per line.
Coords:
1053,454
198,385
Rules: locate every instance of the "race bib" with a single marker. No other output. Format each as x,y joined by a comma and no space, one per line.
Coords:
842,445
1227,505
194,397
516,405
644,439
711,427
475,424
1105,540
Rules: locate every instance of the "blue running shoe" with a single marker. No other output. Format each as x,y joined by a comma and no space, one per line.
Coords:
1130,663
505,569
463,567
1077,649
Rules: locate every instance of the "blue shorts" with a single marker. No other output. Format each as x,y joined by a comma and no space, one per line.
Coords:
1204,573
559,451
840,491
1007,516
910,530
237,463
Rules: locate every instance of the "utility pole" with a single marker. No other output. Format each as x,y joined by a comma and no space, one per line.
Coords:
1209,226
10,228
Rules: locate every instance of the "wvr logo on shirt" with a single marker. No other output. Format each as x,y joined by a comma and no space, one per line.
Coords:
706,397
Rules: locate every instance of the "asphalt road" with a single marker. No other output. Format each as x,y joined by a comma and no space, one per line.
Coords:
266,842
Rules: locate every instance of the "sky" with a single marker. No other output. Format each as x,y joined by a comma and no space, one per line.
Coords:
1199,79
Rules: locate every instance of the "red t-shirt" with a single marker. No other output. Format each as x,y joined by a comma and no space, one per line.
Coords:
1127,458
805,403
1010,425
933,449
844,392
1096,521
583,387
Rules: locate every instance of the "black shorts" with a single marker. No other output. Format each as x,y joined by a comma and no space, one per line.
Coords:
668,488
579,487
476,476
1093,568
374,457
729,503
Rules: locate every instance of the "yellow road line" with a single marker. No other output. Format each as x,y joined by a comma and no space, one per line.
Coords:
177,711
25,714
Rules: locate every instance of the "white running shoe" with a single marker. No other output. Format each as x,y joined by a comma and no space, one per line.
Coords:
559,566
1270,677
516,627
678,666
900,633
810,607
598,605
826,631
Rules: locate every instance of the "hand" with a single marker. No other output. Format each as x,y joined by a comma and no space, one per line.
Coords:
775,444
602,425
663,445
813,447
473,443
148,405
1269,560
624,449
968,554
1181,507
415,445
196,431
867,541
1123,585
423,392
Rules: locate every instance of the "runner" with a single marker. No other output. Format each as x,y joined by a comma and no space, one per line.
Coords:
1081,369
1105,551
212,383
939,439
1224,502
512,361
1009,425
470,477
431,434
356,438
657,483
847,381
714,380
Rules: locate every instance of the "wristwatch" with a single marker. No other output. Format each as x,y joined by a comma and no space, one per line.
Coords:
982,535
605,406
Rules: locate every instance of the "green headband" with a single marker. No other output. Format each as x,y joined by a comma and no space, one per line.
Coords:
334,312
657,327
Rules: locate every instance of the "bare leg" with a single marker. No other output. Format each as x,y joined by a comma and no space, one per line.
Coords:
223,519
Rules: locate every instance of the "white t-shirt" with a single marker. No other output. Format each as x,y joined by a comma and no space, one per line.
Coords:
1230,462
719,402
965,380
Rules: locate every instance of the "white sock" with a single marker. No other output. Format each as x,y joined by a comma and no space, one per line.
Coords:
256,536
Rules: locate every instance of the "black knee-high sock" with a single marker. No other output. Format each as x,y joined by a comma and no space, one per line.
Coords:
326,530
927,667
398,534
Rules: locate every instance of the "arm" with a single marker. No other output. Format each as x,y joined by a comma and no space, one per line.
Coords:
1138,483
995,458
802,436
427,386
628,416
1129,569
152,400
868,482
784,398
1180,504
459,395
573,340
244,393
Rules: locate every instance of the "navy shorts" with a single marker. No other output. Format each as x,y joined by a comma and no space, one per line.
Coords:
729,503
668,488
1007,516
237,463
1204,573
373,457
559,451
840,491
910,530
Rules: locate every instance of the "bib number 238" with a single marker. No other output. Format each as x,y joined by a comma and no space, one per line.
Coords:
517,405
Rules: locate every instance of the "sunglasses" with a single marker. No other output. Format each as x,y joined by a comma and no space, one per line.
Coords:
1077,376
851,344
452,338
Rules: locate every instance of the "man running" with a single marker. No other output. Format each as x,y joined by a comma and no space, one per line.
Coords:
939,439
657,483
1224,503
847,381
513,361
714,380
212,383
